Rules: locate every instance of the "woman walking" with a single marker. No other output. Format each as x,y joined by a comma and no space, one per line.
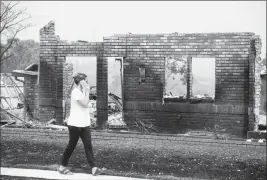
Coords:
79,125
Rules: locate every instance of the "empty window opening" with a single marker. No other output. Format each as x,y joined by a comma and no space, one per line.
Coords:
203,78
114,75
175,78
115,81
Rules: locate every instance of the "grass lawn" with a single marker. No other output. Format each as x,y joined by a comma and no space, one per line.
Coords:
186,161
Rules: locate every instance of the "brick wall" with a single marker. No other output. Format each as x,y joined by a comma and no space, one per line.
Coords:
31,95
184,116
231,51
53,53
234,53
263,93
254,83
257,81
67,82
47,73
251,85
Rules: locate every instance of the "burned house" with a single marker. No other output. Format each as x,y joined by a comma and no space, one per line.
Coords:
234,106
29,78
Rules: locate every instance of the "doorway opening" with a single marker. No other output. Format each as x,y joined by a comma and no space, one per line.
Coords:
88,66
115,92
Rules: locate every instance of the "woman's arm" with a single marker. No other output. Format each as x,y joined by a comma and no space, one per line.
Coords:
85,101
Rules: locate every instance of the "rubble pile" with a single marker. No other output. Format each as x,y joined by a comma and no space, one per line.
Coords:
173,98
114,115
14,115
193,100
202,99
116,119
93,112
14,118
18,113
115,112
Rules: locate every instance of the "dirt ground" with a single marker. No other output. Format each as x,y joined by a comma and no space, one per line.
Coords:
187,161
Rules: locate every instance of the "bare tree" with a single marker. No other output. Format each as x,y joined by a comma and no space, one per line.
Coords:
13,21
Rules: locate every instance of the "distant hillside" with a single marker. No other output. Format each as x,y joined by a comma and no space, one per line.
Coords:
25,52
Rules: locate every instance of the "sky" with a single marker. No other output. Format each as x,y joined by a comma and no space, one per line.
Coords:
92,20
203,82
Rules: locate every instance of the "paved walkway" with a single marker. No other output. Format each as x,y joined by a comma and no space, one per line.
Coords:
45,174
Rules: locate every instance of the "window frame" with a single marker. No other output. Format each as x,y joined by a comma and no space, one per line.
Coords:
189,79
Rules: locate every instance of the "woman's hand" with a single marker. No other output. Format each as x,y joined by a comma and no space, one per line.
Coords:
85,86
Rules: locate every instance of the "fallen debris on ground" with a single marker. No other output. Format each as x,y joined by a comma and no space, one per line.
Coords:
194,99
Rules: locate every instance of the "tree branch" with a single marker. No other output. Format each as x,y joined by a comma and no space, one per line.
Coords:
11,25
5,9
11,42
12,20
14,16
17,22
